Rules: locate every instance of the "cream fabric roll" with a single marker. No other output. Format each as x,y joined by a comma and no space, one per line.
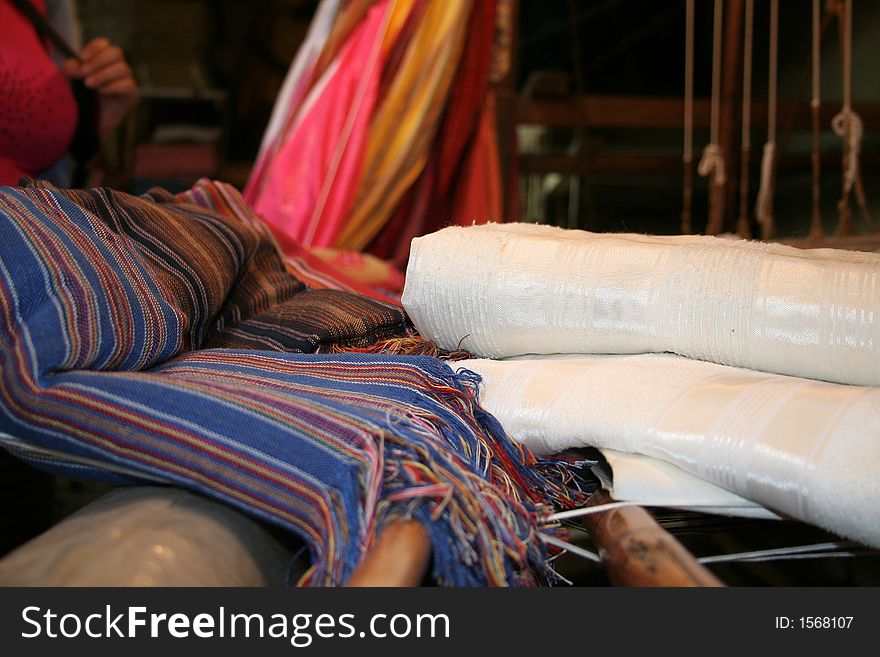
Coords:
807,449
150,536
501,290
645,480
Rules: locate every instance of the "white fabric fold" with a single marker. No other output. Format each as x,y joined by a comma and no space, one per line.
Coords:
804,448
501,290
649,481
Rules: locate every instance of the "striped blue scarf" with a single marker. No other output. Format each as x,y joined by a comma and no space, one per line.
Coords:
108,303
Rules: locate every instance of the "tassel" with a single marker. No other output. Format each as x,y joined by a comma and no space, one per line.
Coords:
848,125
712,163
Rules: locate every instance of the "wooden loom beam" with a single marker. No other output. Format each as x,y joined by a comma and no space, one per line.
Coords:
610,163
659,112
635,549
638,552
399,558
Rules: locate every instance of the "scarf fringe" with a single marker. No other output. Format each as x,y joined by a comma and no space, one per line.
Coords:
412,345
492,493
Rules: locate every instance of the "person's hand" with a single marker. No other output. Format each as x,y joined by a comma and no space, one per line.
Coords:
103,68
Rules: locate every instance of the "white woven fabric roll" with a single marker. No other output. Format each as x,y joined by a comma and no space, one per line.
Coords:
649,481
807,449
501,290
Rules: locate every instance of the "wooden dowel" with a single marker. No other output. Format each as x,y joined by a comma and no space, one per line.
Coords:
638,552
731,97
399,558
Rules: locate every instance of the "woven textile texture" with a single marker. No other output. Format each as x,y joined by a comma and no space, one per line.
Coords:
310,267
644,479
107,303
506,290
806,449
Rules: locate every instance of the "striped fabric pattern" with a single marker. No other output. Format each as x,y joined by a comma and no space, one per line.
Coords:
304,265
222,271
107,303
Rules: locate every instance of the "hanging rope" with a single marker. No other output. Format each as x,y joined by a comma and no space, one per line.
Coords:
824,22
712,163
764,202
848,126
815,107
743,228
688,155
844,123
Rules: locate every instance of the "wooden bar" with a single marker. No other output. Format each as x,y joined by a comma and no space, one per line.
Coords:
638,552
599,164
731,100
399,558
607,163
639,112
850,242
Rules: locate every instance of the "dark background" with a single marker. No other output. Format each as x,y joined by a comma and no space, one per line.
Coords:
219,64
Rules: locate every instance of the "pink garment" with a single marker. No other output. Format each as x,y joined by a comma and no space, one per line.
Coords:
38,113
295,85
311,183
